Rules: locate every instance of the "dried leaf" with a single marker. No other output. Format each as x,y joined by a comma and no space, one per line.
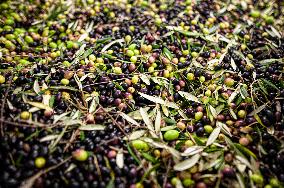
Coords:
39,105
92,127
145,79
49,138
240,180
213,136
234,94
165,111
224,128
147,121
188,163
171,105
233,114
233,64
158,121
136,134
192,150
83,37
188,96
36,87
59,117
129,119
213,111
93,104
120,159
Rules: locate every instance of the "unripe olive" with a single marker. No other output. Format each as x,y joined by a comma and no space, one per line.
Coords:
140,145
198,116
25,115
2,79
171,135
80,155
229,82
64,81
40,162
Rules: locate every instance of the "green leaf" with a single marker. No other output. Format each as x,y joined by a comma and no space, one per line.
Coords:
167,53
245,150
132,154
87,53
110,184
149,157
269,83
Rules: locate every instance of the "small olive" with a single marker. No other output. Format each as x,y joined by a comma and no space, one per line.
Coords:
25,115
171,135
40,162
80,155
198,116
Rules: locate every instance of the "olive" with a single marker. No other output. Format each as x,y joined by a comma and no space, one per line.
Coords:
40,162
80,155
171,135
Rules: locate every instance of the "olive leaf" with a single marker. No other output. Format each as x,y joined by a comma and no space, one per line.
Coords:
39,105
147,122
188,163
48,138
92,127
213,111
233,114
192,150
158,121
136,134
257,110
145,79
36,87
188,96
224,128
167,53
213,136
120,159
167,128
129,119
153,99
106,47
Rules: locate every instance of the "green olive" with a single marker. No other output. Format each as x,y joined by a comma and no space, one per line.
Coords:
40,162
255,14
140,145
198,116
171,135
29,39
242,113
64,81
188,182
229,82
80,155
130,53
257,178
2,79
117,70
133,59
25,115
